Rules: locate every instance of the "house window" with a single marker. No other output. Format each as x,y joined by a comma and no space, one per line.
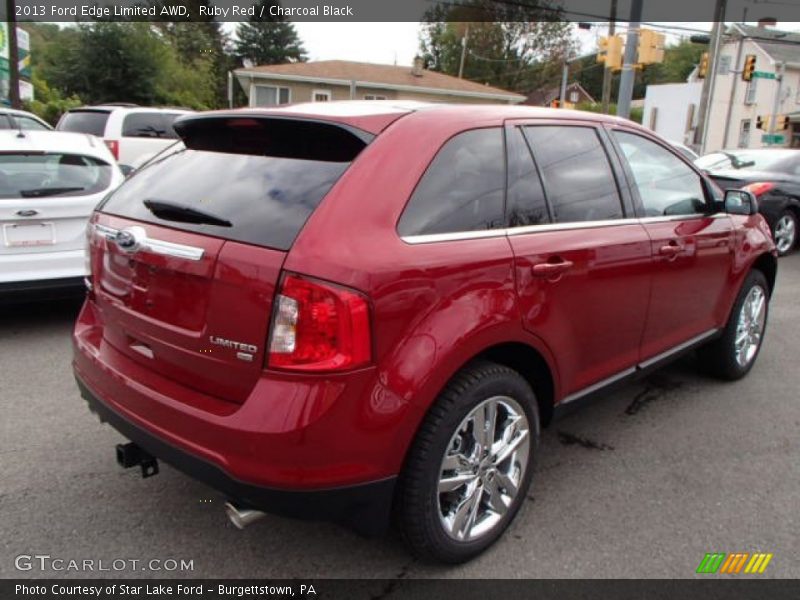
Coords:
750,92
574,96
271,95
374,97
321,96
744,134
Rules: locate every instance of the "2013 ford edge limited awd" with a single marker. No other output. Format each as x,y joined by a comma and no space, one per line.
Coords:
353,311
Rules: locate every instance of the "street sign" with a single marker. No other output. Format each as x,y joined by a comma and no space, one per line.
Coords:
763,75
772,138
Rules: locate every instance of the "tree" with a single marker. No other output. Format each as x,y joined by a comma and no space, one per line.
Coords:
268,42
500,53
510,45
128,62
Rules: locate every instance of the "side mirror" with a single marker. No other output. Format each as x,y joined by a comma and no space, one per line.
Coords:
740,202
126,170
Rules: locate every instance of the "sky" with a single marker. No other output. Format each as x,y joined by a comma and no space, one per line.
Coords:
398,43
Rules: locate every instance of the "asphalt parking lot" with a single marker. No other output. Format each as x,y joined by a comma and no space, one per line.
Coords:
641,483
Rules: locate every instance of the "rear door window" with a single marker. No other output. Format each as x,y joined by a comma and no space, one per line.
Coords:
250,180
526,203
463,188
577,176
92,122
149,124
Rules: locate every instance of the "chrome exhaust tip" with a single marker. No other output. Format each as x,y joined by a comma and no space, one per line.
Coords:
242,517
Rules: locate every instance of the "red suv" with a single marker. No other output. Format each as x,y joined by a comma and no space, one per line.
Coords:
353,310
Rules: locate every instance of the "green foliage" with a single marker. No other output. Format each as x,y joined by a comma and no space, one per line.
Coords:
268,42
123,62
636,112
48,103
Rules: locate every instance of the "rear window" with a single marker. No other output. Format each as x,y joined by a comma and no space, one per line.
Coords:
92,122
150,124
250,180
44,175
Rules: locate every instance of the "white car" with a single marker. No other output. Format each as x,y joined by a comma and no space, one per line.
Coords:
20,119
50,183
129,131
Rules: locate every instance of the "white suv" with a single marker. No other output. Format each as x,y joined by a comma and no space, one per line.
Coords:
50,183
131,132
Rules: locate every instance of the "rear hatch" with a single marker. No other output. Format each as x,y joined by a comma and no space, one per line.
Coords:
46,197
187,253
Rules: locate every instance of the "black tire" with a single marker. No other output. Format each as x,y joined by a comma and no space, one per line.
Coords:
718,358
788,241
417,512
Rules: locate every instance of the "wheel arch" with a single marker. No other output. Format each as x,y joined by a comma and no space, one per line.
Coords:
768,265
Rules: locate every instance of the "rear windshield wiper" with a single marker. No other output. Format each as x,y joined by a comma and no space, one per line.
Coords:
51,191
184,214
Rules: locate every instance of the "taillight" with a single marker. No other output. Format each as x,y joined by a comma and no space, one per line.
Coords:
113,145
87,255
759,188
318,327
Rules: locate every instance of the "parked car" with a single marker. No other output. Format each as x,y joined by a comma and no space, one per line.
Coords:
342,310
773,176
21,119
50,183
128,130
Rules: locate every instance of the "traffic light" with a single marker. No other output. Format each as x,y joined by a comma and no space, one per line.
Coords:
651,47
781,122
749,67
610,52
762,123
702,68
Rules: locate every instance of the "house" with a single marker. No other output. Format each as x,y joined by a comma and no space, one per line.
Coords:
575,95
671,109
737,104
322,81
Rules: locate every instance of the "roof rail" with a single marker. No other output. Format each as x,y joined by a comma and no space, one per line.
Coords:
125,104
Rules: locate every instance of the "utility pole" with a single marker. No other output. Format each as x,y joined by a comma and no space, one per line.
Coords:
13,55
707,93
732,97
629,64
607,73
463,52
564,76
779,71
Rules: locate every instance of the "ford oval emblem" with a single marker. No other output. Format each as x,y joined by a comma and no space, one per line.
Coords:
130,239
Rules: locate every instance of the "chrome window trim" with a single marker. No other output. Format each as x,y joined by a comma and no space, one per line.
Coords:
524,229
156,246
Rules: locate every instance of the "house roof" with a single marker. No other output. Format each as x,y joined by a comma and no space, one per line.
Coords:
547,95
343,72
782,46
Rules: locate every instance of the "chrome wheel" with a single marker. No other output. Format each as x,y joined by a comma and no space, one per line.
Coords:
785,233
483,468
750,327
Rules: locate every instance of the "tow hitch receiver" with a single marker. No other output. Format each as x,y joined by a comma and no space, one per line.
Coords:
129,455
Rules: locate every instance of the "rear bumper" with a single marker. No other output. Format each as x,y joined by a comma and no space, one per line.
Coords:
365,507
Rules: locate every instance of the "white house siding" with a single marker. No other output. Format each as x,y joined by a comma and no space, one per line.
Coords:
670,110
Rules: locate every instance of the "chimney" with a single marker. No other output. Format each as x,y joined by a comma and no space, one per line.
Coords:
767,22
419,66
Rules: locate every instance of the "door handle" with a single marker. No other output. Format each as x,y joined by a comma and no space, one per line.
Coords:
27,212
672,249
551,269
